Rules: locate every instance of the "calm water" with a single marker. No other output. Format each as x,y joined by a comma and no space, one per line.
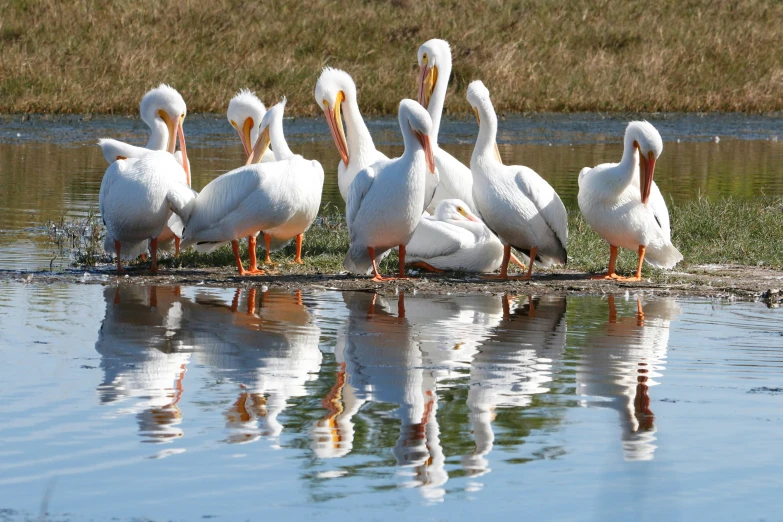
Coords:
176,403
51,167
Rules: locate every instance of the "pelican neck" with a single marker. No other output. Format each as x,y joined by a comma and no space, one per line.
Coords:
358,137
488,128
277,138
438,98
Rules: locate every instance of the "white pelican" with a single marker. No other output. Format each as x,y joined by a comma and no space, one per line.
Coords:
516,203
136,199
456,181
335,94
454,239
624,205
387,198
246,109
282,198
163,110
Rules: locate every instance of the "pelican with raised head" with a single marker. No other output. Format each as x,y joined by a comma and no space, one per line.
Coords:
454,239
514,201
386,199
624,205
455,180
335,94
282,198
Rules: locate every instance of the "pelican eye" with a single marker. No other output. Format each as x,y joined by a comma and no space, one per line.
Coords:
233,124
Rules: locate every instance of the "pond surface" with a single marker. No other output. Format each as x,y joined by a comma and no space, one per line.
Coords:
169,403
51,168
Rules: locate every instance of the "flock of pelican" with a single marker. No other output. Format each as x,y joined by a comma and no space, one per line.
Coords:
438,213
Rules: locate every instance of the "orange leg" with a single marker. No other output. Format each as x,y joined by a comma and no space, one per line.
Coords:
251,301
240,268
402,263
504,266
612,310
298,258
119,259
526,277
154,255
516,261
176,245
425,266
638,276
610,274
377,276
401,305
268,243
639,313
251,248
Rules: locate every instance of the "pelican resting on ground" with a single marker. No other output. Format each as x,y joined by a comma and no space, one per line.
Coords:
454,239
245,112
517,204
163,110
622,203
335,94
136,198
455,180
386,199
281,198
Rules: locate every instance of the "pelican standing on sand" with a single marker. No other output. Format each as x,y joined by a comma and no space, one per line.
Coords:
245,112
516,203
386,199
136,199
335,94
454,239
455,180
282,198
163,110
624,205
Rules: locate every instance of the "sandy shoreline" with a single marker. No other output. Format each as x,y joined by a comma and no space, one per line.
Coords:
710,281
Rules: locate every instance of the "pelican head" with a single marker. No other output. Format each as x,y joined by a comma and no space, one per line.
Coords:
331,90
245,112
643,137
418,121
478,97
432,55
454,210
264,136
163,109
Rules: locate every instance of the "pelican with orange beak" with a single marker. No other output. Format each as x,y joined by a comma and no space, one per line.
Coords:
386,199
335,94
244,114
624,205
163,110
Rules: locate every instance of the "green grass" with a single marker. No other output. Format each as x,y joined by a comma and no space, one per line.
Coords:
720,231
85,56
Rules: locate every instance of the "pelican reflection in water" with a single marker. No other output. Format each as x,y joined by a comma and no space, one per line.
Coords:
144,353
266,343
618,364
516,362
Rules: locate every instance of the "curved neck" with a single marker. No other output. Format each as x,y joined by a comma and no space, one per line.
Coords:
438,97
357,135
277,138
630,159
488,128
412,145
159,138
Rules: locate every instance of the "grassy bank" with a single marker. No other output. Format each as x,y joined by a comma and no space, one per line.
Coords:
89,56
723,231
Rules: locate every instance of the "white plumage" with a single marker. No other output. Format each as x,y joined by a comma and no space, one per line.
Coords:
514,201
281,198
454,179
136,198
622,203
335,94
455,239
245,112
386,199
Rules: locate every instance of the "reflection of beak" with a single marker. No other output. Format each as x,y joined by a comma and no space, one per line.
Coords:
425,143
427,79
259,149
646,171
335,122
171,124
185,164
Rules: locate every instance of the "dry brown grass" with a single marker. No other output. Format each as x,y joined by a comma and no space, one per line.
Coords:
605,55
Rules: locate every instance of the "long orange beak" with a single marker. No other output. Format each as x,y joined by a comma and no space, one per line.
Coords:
181,136
427,78
425,143
335,122
244,135
262,144
646,172
171,124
